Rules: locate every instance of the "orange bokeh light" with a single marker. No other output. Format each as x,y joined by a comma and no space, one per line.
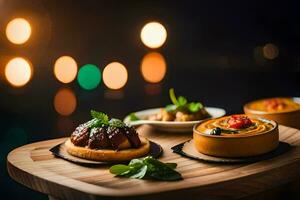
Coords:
115,75
153,67
65,102
18,31
270,51
18,72
65,69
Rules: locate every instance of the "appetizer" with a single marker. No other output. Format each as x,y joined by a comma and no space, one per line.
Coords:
236,136
284,110
278,104
181,110
147,167
104,139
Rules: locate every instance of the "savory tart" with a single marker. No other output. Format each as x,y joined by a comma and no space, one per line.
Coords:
283,110
181,110
102,139
236,136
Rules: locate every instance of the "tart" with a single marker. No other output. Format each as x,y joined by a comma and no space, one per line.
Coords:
236,136
284,110
101,139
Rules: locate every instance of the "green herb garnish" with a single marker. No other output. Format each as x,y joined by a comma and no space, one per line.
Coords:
116,123
147,167
181,103
133,117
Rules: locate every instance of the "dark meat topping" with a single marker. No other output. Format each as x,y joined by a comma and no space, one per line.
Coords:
105,137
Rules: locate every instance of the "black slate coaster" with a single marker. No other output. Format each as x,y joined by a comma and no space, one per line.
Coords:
61,151
187,149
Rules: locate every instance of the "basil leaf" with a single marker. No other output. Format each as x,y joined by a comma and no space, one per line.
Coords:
171,165
140,173
195,107
181,101
101,118
119,169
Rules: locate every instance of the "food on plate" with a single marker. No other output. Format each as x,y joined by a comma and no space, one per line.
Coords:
278,104
236,136
104,139
181,110
147,167
284,110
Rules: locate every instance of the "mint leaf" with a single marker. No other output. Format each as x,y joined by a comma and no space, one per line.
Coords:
116,123
133,117
102,117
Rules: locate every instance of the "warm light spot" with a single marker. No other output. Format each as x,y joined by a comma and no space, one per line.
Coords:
18,31
115,75
153,67
65,102
89,76
270,51
18,72
153,35
65,69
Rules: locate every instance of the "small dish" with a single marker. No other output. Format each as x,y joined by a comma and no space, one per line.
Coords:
259,137
170,126
286,116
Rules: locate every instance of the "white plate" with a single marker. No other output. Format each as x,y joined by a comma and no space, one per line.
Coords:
171,126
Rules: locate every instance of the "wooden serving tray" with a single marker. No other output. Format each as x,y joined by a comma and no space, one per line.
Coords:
33,165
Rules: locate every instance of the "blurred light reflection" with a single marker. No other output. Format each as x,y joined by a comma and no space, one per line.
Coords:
153,89
89,76
115,75
18,31
65,126
65,69
270,51
65,102
153,35
114,94
18,72
153,67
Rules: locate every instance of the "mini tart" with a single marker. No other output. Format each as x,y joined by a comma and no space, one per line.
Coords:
108,155
259,140
289,116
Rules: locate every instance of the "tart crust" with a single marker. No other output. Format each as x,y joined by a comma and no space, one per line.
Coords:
108,154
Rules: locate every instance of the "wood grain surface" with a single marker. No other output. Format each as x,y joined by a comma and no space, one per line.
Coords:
35,167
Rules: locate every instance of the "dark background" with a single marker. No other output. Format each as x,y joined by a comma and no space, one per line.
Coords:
213,54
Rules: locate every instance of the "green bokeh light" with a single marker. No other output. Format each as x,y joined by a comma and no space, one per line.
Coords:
89,76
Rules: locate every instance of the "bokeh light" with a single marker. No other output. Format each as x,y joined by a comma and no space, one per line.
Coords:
18,31
89,76
65,69
270,51
65,102
65,126
153,35
115,75
18,72
153,67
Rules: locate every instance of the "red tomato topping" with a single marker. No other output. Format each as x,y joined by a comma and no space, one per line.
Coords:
274,104
239,122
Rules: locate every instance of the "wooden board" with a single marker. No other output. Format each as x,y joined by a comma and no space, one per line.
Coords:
34,166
